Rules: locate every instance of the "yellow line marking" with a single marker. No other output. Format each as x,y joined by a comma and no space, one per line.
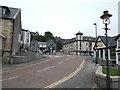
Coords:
67,77
28,65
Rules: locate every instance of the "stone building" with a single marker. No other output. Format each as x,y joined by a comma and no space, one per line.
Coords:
80,45
10,27
51,46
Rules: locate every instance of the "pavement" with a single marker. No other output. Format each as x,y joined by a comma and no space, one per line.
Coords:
7,67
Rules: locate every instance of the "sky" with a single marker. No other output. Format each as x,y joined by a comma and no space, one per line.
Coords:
64,18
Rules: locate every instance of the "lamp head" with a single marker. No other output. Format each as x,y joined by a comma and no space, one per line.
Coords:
106,17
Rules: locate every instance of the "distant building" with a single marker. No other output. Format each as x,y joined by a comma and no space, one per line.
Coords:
51,46
34,33
80,45
25,39
118,50
10,27
118,37
34,46
42,46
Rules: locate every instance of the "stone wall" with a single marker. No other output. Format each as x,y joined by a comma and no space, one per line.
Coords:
25,57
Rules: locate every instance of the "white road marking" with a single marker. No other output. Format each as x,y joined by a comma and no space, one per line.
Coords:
10,78
61,62
45,69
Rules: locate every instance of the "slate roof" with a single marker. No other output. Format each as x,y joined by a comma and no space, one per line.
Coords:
85,38
111,41
79,33
42,43
117,36
12,12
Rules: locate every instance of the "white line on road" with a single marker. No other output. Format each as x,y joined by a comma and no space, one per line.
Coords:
45,69
10,78
61,62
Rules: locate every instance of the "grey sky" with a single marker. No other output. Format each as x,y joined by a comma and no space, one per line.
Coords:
65,18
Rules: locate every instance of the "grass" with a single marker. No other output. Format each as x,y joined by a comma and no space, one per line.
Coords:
112,71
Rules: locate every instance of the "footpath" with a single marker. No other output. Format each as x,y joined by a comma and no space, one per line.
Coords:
7,67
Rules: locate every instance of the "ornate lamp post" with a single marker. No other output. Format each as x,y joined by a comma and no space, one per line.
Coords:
96,62
106,20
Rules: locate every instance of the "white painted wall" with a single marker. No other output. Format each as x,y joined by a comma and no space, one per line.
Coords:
119,17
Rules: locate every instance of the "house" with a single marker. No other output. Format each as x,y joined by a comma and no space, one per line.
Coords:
25,39
10,27
80,45
100,47
51,47
118,50
34,33
42,46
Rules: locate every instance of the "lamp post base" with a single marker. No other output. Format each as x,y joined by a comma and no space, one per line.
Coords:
108,82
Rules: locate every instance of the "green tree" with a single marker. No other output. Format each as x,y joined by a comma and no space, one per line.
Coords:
59,44
48,36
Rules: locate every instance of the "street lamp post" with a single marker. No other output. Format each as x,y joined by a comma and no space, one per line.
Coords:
96,39
106,20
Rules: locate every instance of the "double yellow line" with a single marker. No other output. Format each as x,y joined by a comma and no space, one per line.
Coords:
67,77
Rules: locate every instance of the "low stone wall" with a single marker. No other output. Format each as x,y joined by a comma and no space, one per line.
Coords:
101,79
25,58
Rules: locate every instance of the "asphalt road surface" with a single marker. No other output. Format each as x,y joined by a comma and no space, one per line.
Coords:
85,78
44,73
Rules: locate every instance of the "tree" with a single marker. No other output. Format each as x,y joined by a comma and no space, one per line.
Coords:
59,44
48,36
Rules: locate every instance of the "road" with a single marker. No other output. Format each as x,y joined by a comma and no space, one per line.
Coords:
83,79
41,74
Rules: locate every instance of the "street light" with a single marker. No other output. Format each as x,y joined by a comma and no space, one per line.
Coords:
106,20
96,39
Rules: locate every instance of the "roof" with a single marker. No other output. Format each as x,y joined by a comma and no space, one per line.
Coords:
85,38
10,13
89,38
2,35
42,43
117,36
111,41
79,33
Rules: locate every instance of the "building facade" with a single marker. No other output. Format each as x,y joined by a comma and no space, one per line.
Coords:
80,45
10,27
100,48
25,39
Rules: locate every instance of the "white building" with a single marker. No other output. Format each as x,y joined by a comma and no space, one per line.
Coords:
80,45
118,37
25,38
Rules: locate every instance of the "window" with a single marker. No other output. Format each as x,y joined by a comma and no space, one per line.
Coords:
3,12
118,43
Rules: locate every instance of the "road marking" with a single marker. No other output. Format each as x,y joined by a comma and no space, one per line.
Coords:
67,77
27,66
61,62
10,78
45,69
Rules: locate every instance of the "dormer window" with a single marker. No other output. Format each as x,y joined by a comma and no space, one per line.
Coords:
5,10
